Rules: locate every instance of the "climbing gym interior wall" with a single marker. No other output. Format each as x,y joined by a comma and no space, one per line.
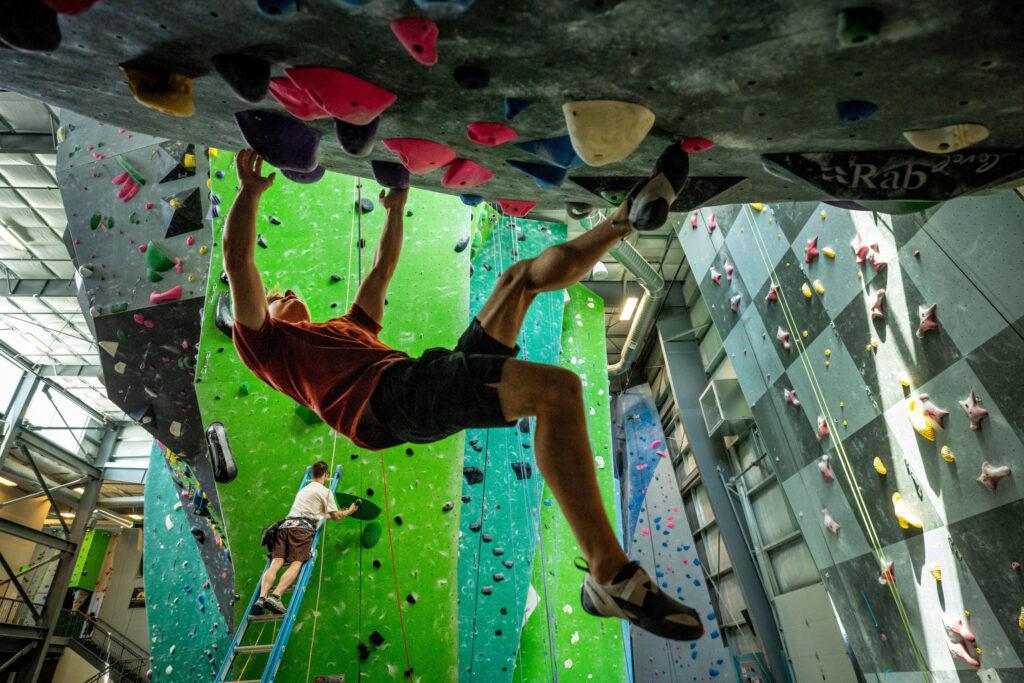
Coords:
318,243
877,353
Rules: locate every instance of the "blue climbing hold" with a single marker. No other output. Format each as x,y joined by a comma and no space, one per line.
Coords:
545,175
714,634
852,111
713,672
547,502
557,151
471,199
514,105
697,583
696,562
711,616
444,8
693,655
278,8
693,646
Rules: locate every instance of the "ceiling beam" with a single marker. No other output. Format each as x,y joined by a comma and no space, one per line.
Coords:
27,143
69,371
30,534
13,286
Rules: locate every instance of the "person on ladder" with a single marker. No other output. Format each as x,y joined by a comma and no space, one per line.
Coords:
380,397
293,538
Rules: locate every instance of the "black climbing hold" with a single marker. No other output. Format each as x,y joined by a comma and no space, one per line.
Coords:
475,526
497,632
223,460
225,319
461,245
260,241
355,456
475,445
408,672
364,651
487,590
334,304
282,141
508,564
487,267
376,564
376,638
471,77
391,174
498,551
248,77
144,415
448,506
524,425
369,492
184,215
219,175
858,26
178,151
224,277
466,499
408,451
852,111
514,105
523,470
408,214
473,475
398,520
335,278
487,538
199,535
364,205
30,26
361,243
499,577
274,220
355,139
471,199
411,599
504,610
471,270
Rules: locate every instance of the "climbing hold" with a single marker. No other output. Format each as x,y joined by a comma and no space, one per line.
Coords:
461,245
489,133
858,26
606,131
712,223
976,413
879,466
614,198
818,287
888,574
806,289
448,506
947,138
577,210
30,26
878,308
823,431
904,515
418,35
172,294
773,294
693,220
463,173
144,416
558,151
420,156
959,628
716,277
830,524
156,259
278,8
487,590
306,415
929,321
811,251
992,474
183,213
523,470
295,100
828,251
370,536
783,337
925,416
516,207
304,177
960,652
248,77
947,453
280,140
355,139
198,535
390,174
363,648
734,303
341,94
545,175
825,467
791,398
694,145
69,8
471,199
852,111
1020,619
364,205
514,105
470,77
473,475
164,91
261,242
650,200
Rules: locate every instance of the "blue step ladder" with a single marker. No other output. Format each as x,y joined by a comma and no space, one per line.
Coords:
275,650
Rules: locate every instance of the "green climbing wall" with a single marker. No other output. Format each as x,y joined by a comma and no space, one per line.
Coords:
348,598
560,641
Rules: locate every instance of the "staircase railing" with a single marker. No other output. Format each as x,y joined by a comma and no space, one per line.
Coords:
124,659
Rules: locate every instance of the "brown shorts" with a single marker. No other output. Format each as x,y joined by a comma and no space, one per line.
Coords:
292,544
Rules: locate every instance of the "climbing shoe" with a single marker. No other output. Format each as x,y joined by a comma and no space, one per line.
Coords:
273,604
634,596
651,199
258,607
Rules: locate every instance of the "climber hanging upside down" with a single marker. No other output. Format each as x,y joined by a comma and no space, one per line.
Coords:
380,397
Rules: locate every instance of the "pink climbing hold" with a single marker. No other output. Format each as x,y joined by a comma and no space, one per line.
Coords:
878,308
662,454
172,294
830,524
695,145
932,411
991,475
716,277
960,652
118,180
825,467
490,133
1015,566
138,318
295,100
341,94
812,250
190,240
729,269
877,260
823,431
516,207
418,35
142,248
929,321
773,294
790,396
975,411
463,173
961,629
645,532
693,221
712,223
783,337
655,443
888,574
418,155
148,205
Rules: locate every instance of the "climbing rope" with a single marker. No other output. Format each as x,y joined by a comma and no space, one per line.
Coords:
321,560
394,567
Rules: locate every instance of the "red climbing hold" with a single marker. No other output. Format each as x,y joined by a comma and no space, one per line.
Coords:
418,35
341,94
172,294
812,250
693,221
695,145
463,173
69,7
420,156
516,207
490,133
295,100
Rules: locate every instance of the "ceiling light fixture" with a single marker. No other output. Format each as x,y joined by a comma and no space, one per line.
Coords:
629,308
7,482
116,519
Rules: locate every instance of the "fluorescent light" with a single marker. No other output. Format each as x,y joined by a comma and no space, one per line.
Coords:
79,490
117,519
629,308
137,518
7,482
67,515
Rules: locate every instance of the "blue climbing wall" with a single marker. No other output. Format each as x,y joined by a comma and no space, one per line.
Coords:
502,484
659,537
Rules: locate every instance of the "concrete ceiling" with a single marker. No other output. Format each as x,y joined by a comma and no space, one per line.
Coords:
755,78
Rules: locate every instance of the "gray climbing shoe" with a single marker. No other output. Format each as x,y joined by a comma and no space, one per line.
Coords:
633,596
273,604
651,199
258,608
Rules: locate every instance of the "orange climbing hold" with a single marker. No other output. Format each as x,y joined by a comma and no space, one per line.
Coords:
419,155
490,133
341,94
418,35
463,173
516,207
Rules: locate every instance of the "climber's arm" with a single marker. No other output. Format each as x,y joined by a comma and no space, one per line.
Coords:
248,298
374,288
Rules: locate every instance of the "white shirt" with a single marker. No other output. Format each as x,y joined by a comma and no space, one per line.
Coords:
314,501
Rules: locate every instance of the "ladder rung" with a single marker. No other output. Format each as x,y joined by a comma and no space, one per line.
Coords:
266,617
253,649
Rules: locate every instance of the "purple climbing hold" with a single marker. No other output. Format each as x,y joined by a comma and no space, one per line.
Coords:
304,177
281,140
390,174
248,77
470,77
29,25
354,139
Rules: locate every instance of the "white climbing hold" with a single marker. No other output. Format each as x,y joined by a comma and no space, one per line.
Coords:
120,367
169,670
606,131
947,138
172,649
168,522
174,428
600,462
109,346
568,664
575,637
567,609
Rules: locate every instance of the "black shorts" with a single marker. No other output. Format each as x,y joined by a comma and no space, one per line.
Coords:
425,399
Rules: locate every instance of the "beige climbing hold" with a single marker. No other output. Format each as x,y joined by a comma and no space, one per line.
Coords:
947,454
606,131
936,571
109,346
947,138
169,93
174,428
879,466
120,367
168,522
1020,619
904,515
806,289
818,287
828,251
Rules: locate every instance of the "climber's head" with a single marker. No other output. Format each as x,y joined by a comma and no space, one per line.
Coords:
288,306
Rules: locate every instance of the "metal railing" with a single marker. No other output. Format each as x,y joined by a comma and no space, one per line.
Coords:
16,611
124,659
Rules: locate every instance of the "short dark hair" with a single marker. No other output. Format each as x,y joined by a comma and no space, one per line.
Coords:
319,469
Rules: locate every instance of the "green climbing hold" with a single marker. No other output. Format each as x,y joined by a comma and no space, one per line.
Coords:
132,171
307,415
366,511
133,218
156,259
243,389
153,276
370,535
119,308
122,335
615,198
857,26
95,221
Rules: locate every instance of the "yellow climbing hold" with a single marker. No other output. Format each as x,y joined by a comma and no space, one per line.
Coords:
845,424
842,404
212,151
904,380
203,249
605,131
918,420
191,278
947,454
828,363
758,206
166,92
209,183
806,289
947,138
828,251
874,343
936,572
879,466
1020,619
818,287
175,202
804,334
188,161
860,275
904,515
824,215
828,352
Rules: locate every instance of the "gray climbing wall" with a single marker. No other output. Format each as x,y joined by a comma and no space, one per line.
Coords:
921,72
187,627
659,537
865,377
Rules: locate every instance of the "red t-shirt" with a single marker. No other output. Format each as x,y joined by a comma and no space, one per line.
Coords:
330,367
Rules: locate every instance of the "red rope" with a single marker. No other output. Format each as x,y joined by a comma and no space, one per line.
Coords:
394,567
